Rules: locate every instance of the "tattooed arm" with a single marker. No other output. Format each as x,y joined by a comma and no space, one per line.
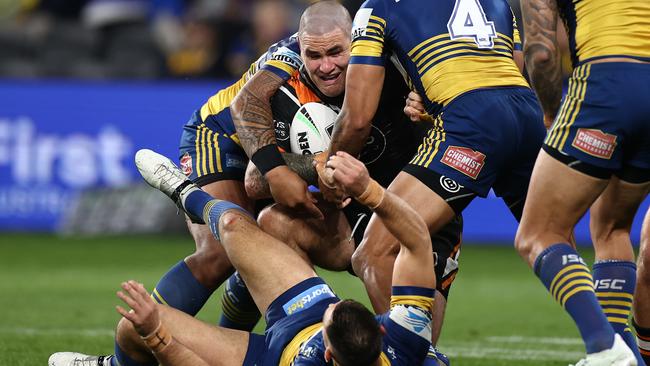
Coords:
253,119
542,54
256,185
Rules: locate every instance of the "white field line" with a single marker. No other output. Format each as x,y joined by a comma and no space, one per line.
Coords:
523,348
101,332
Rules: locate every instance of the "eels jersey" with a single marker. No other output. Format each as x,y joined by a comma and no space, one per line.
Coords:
393,139
282,58
446,47
607,28
408,333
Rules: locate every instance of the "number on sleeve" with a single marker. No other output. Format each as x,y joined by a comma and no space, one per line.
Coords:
468,20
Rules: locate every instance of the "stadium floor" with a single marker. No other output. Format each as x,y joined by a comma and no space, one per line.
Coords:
58,294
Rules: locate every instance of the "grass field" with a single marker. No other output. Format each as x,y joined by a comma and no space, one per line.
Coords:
59,294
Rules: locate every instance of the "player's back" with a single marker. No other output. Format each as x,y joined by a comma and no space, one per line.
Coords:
448,47
607,28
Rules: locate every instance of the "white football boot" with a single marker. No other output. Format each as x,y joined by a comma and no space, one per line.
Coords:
78,359
162,174
618,355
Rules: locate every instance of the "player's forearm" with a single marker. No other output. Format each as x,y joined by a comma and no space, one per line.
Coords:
251,111
541,52
399,218
257,187
349,135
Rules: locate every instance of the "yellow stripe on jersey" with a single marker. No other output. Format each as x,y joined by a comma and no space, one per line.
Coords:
210,154
203,160
457,75
155,291
570,107
422,302
291,350
367,48
218,152
197,146
281,65
377,20
430,144
222,99
612,27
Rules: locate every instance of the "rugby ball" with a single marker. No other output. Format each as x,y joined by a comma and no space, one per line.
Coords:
311,128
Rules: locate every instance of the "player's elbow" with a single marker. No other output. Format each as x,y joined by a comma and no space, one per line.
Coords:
538,56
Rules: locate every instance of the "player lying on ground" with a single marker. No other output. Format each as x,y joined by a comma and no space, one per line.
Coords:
306,323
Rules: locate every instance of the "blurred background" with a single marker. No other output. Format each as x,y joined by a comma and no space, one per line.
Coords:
84,84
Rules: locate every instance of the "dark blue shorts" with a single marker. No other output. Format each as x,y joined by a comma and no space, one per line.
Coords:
296,309
604,120
210,152
486,138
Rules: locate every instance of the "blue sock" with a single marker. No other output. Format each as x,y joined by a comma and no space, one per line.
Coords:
122,359
196,201
615,282
239,309
565,275
181,290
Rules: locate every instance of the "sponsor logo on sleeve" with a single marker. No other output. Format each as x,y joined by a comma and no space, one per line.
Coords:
465,160
186,164
413,319
287,56
361,23
308,298
595,142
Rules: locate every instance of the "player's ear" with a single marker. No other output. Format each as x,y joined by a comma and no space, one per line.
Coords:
328,354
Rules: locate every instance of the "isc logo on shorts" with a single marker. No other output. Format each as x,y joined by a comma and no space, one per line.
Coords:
465,160
595,142
307,299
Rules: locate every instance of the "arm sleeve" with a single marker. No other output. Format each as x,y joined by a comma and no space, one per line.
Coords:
368,34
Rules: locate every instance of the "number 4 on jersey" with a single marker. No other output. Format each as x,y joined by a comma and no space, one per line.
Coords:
468,20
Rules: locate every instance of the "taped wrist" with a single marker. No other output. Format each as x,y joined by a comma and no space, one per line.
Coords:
158,339
373,195
267,158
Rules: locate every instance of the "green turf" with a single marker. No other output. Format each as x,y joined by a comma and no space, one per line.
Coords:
59,294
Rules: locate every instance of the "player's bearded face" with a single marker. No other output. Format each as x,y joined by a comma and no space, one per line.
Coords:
326,60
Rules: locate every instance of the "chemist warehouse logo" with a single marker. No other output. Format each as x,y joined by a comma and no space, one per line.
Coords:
307,299
465,160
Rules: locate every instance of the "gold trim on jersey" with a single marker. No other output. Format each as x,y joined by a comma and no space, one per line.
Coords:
293,347
222,99
422,302
570,107
367,48
612,27
430,144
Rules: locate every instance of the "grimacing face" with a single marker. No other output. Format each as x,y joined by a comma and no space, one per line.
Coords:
326,60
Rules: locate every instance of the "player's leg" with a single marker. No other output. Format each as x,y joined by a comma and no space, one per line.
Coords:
325,243
557,198
641,318
268,266
216,345
615,270
189,284
374,259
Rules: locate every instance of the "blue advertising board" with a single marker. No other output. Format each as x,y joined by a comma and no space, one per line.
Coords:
58,138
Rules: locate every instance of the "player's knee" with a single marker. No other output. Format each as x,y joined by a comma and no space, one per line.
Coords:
232,222
126,336
524,242
643,269
272,222
369,256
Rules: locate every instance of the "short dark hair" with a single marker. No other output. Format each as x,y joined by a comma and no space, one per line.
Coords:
354,334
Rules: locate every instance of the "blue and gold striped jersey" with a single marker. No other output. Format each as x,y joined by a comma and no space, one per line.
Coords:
447,47
607,28
407,338
282,58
